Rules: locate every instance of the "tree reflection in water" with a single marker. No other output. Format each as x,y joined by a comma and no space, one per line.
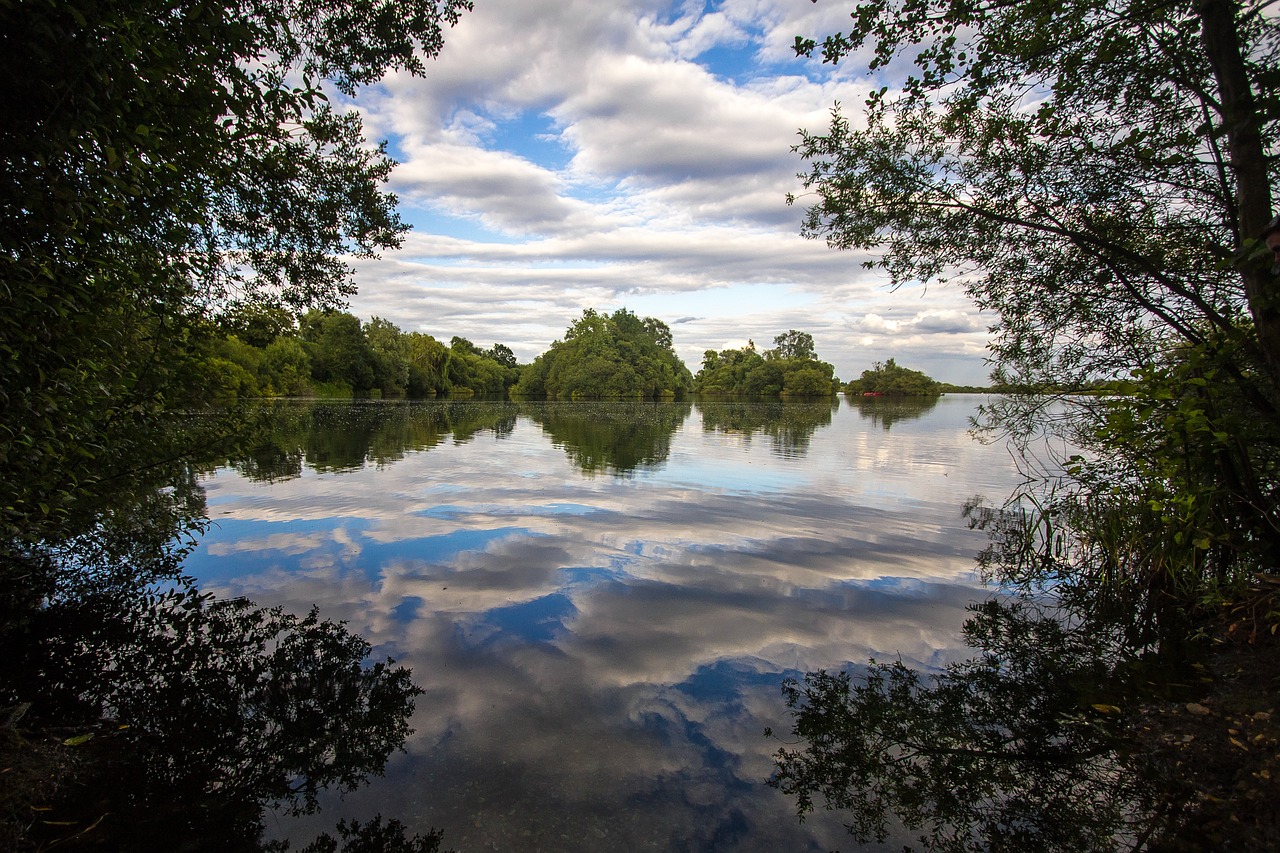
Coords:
177,717
887,411
790,425
1015,749
295,433
618,437
1025,746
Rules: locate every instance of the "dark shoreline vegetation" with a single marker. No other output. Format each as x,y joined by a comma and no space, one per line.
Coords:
179,189
1099,179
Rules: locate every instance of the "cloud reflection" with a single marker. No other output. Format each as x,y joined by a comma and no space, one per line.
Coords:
600,654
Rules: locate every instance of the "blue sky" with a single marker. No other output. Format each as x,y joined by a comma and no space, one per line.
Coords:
571,154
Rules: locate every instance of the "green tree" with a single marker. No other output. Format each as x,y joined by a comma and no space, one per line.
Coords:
1100,170
339,351
502,354
391,355
1096,176
793,344
618,355
286,368
258,324
890,379
792,368
163,161
233,368
427,358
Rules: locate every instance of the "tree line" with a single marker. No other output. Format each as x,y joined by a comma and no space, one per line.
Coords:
265,352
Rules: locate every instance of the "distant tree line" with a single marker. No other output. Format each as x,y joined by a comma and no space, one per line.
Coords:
266,351
790,369
263,351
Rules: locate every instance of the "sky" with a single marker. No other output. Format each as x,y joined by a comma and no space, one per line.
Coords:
561,155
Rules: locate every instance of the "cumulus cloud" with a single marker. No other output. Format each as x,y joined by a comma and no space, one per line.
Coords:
566,154
952,322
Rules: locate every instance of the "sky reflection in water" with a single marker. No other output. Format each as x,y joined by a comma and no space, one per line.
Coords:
601,600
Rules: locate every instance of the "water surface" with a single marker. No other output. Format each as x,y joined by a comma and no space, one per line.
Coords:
600,600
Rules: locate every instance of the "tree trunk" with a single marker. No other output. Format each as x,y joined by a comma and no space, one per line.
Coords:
1221,40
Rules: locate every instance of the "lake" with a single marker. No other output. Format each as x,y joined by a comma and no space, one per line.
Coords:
600,600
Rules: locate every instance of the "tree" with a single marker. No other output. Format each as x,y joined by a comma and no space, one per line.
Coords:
1070,157
793,344
427,358
1095,175
259,324
602,355
791,369
286,367
502,354
390,356
888,378
339,351
165,160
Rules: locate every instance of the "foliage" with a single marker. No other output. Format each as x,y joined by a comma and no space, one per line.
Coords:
174,172
166,160
1160,520
502,354
790,369
1096,176
602,356
1015,749
332,353
1067,163
338,350
891,380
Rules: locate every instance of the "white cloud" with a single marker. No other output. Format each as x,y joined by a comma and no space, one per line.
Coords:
564,155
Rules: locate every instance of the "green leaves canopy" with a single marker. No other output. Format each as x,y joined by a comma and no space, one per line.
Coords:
790,369
608,355
1093,172
164,158
893,380
1095,175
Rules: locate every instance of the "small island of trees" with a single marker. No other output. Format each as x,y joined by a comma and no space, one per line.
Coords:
790,369
616,355
889,379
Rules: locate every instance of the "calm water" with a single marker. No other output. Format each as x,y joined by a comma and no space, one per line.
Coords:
601,599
